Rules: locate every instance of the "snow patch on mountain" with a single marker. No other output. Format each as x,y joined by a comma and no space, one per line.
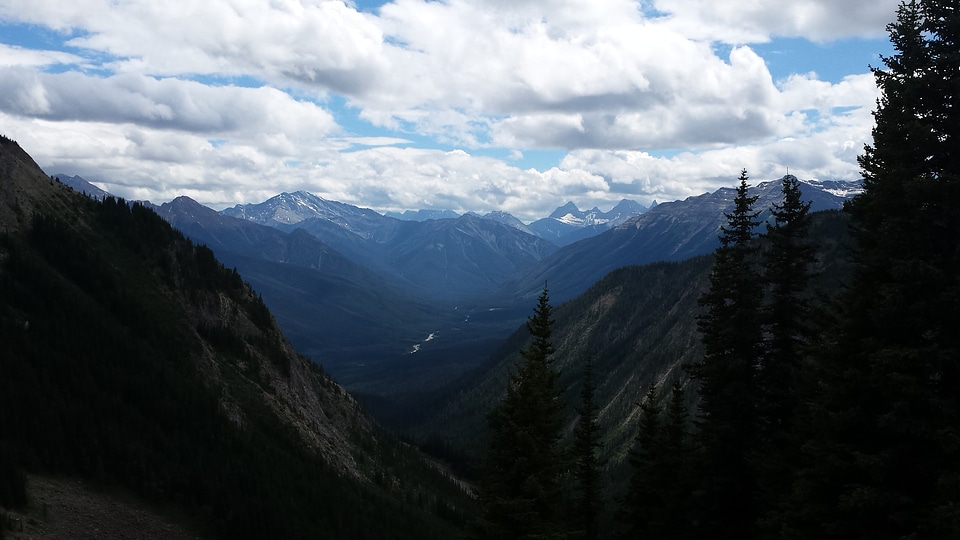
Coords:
846,190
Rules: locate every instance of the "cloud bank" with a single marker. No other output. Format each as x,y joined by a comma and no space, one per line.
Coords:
416,104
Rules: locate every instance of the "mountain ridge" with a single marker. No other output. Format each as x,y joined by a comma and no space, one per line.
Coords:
568,224
384,297
667,232
636,326
142,362
306,283
563,225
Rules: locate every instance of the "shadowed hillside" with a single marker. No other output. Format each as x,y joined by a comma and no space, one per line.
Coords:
637,325
133,358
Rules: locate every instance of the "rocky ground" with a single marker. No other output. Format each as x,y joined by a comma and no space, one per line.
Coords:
70,509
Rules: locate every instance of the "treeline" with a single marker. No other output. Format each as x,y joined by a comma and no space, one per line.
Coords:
815,417
100,381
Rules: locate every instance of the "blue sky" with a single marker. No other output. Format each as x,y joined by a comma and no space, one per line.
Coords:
467,105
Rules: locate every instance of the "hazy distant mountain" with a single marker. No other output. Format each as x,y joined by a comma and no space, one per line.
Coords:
477,263
331,308
464,257
568,224
667,232
458,258
287,209
625,210
82,186
508,219
441,258
565,225
423,215
352,245
363,319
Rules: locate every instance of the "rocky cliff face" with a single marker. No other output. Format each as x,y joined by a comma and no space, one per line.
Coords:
295,389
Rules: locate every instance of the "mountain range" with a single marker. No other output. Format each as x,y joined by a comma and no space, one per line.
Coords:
564,225
423,215
454,258
567,224
671,231
361,293
419,320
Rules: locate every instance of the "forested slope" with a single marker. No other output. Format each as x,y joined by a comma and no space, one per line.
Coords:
637,325
131,357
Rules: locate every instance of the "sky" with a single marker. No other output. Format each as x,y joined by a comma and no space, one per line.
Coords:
464,105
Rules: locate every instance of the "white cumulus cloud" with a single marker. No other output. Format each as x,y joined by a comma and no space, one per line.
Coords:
402,106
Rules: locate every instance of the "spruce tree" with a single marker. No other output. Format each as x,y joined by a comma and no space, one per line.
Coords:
657,501
586,443
882,459
642,505
676,462
522,495
788,330
731,333
787,260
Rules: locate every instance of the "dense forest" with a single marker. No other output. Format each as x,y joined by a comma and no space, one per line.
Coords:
112,372
812,417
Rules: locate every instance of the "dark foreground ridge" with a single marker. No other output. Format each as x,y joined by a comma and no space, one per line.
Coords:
133,358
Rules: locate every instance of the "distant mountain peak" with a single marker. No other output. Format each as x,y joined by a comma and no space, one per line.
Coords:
840,188
508,219
423,215
185,200
568,208
80,185
288,209
569,224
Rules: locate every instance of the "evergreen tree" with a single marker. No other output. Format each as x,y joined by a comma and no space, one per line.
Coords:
586,442
656,502
676,462
522,496
642,506
787,261
883,460
787,313
731,333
